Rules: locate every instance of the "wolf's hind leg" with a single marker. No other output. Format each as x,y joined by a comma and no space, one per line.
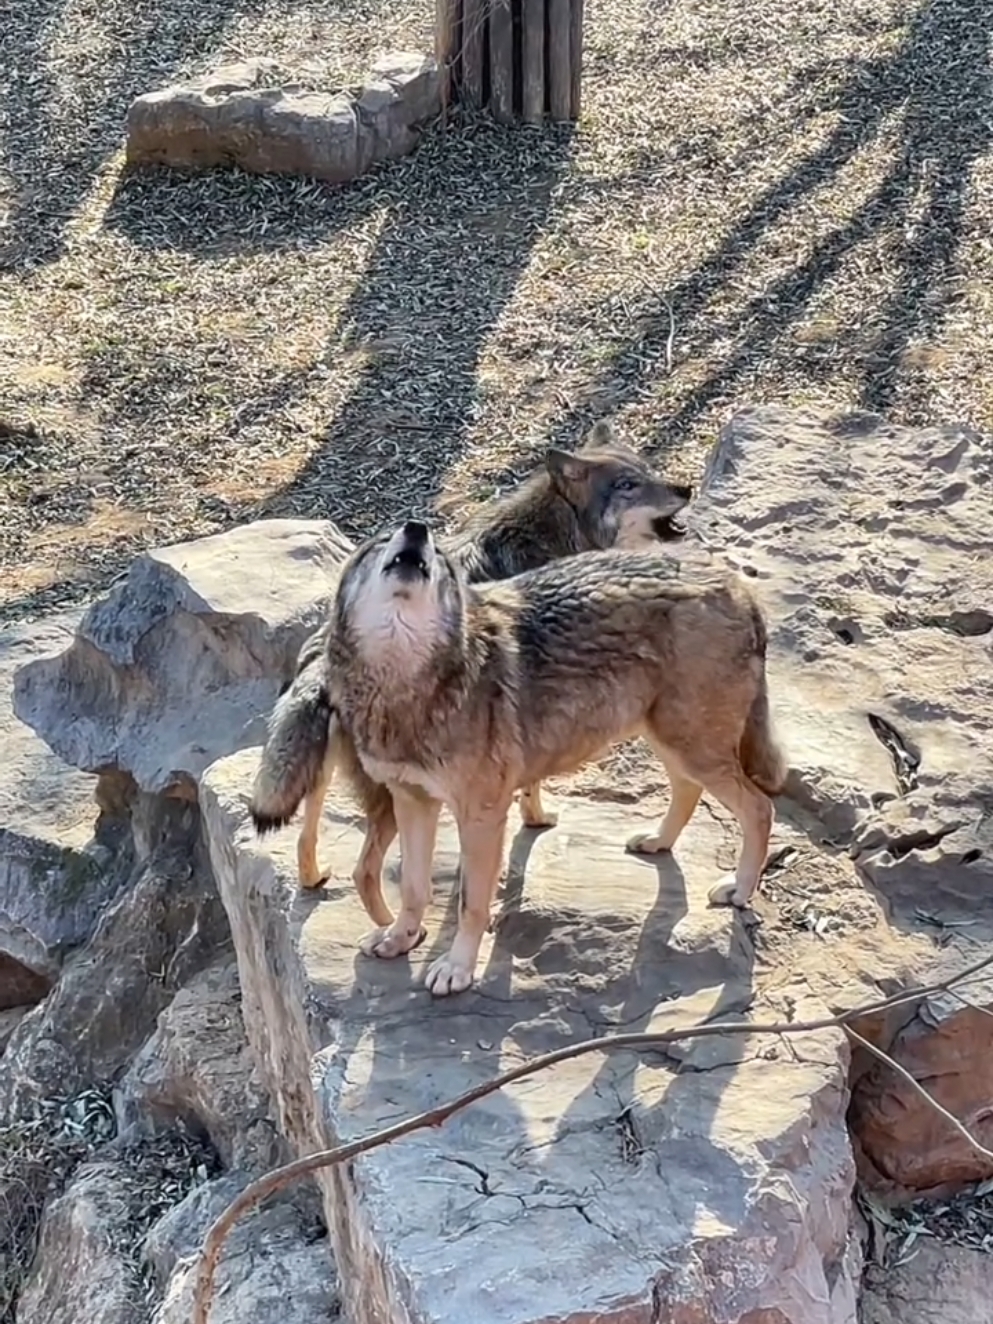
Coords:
684,796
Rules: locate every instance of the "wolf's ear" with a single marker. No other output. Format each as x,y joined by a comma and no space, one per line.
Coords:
600,434
568,472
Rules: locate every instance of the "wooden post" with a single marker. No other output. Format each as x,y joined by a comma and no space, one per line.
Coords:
474,19
576,58
533,60
522,57
446,34
559,63
502,60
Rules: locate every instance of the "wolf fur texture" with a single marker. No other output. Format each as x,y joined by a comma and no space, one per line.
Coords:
601,496
461,694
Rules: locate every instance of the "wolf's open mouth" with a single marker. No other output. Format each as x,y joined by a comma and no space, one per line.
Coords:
668,527
408,561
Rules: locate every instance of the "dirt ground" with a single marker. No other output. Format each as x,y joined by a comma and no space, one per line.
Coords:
763,201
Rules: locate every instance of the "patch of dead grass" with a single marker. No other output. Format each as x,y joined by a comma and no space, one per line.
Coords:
771,203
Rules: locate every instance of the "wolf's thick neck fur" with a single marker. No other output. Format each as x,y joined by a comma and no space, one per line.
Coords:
514,532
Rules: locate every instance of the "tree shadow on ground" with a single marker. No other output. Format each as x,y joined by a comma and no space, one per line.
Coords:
940,79
65,108
463,220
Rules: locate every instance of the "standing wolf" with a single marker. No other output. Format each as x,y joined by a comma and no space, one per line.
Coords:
601,496
461,694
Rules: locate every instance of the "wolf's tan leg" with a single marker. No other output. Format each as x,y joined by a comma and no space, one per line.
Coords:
684,796
754,812
308,870
381,829
481,841
533,812
417,819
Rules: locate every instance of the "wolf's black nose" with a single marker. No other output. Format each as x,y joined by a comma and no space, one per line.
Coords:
415,532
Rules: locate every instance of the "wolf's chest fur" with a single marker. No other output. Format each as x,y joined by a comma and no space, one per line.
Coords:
403,738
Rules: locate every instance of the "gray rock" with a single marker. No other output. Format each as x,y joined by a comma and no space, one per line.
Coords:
82,1269
182,661
54,879
9,1021
239,114
866,543
416,80
274,1256
939,1284
722,1188
196,1069
165,925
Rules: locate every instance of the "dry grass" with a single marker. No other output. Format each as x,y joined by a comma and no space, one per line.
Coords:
38,1156
772,201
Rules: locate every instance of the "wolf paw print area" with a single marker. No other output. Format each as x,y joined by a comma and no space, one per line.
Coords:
712,1180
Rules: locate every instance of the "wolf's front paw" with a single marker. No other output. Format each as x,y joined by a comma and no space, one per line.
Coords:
645,843
726,892
392,941
448,975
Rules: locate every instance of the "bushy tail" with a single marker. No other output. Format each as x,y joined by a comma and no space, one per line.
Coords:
761,756
295,748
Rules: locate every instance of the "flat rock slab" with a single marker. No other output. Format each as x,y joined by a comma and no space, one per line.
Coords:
868,545
714,1177
240,114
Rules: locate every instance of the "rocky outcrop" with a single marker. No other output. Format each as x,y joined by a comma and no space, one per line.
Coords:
54,879
709,1183
181,663
164,926
196,1070
107,898
242,115
938,1284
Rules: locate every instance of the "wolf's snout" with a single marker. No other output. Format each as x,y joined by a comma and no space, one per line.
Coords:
415,533
684,493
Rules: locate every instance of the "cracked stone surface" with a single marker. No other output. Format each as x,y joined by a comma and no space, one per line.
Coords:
241,115
712,1178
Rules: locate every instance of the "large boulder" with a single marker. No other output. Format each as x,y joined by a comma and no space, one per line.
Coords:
710,1183
181,662
243,115
165,924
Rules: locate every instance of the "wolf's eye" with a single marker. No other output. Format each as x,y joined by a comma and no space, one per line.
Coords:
625,483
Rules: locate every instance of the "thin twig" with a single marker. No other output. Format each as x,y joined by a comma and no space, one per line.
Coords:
963,1130
671,336
273,1181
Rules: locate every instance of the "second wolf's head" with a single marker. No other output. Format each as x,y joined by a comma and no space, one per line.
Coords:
401,602
619,500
